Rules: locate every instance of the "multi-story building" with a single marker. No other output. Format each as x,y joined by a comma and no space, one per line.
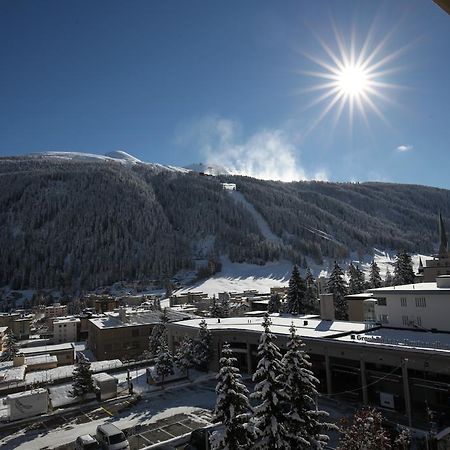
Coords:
18,323
403,371
55,310
419,306
124,334
66,329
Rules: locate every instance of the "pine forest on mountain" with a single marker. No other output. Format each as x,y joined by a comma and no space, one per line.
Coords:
76,225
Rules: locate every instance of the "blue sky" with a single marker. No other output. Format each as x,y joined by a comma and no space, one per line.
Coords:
226,82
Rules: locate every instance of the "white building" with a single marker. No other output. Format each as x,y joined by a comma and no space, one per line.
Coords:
65,330
417,306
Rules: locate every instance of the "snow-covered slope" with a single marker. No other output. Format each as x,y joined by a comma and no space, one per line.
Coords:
259,219
118,156
240,277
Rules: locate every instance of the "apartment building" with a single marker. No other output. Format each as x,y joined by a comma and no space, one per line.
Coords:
66,329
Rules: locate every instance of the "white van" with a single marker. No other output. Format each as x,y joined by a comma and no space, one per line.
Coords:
111,438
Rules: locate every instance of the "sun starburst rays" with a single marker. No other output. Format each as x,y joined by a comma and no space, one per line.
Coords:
351,78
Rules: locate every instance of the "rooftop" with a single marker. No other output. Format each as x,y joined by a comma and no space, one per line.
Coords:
134,317
404,338
46,348
40,359
430,287
307,326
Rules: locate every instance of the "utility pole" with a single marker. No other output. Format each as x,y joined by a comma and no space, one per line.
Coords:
406,392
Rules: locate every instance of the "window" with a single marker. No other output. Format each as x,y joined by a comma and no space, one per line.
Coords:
384,318
405,320
403,301
381,301
419,321
421,302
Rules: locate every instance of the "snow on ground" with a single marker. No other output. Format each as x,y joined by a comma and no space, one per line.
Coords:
242,276
167,402
239,277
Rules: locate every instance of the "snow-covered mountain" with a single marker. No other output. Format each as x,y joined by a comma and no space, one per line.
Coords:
77,221
118,156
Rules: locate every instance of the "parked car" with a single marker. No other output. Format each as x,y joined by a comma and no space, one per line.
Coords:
111,438
86,442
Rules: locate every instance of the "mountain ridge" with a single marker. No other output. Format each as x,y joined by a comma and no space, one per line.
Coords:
77,225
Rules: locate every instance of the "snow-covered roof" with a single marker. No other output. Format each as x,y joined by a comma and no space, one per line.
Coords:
305,325
361,295
12,374
102,376
424,340
137,317
429,287
47,348
66,320
3,329
40,359
27,393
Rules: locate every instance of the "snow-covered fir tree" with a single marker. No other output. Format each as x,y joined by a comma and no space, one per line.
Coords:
274,304
311,293
158,334
215,310
184,355
338,287
304,424
388,279
364,432
202,347
269,416
403,269
232,406
356,279
374,276
296,293
164,361
403,440
82,377
10,346
225,307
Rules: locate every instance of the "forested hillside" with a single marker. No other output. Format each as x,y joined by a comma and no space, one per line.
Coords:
81,224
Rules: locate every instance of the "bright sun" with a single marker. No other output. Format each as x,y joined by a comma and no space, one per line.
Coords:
352,80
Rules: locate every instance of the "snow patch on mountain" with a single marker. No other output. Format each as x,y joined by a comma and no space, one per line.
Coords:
209,169
122,156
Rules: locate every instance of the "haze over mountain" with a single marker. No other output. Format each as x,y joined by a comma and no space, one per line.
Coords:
78,221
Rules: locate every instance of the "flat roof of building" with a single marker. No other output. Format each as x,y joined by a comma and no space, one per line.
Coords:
429,287
305,325
66,320
393,337
46,348
136,317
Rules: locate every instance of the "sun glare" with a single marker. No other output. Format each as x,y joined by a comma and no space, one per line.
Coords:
352,77
352,80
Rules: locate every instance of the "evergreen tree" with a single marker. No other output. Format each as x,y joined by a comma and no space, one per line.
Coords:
269,416
184,356
215,310
232,406
356,279
388,280
364,432
304,424
225,307
158,334
274,304
296,293
82,377
202,347
164,361
338,287
403,269
403,440
375,277
311,293
10,346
